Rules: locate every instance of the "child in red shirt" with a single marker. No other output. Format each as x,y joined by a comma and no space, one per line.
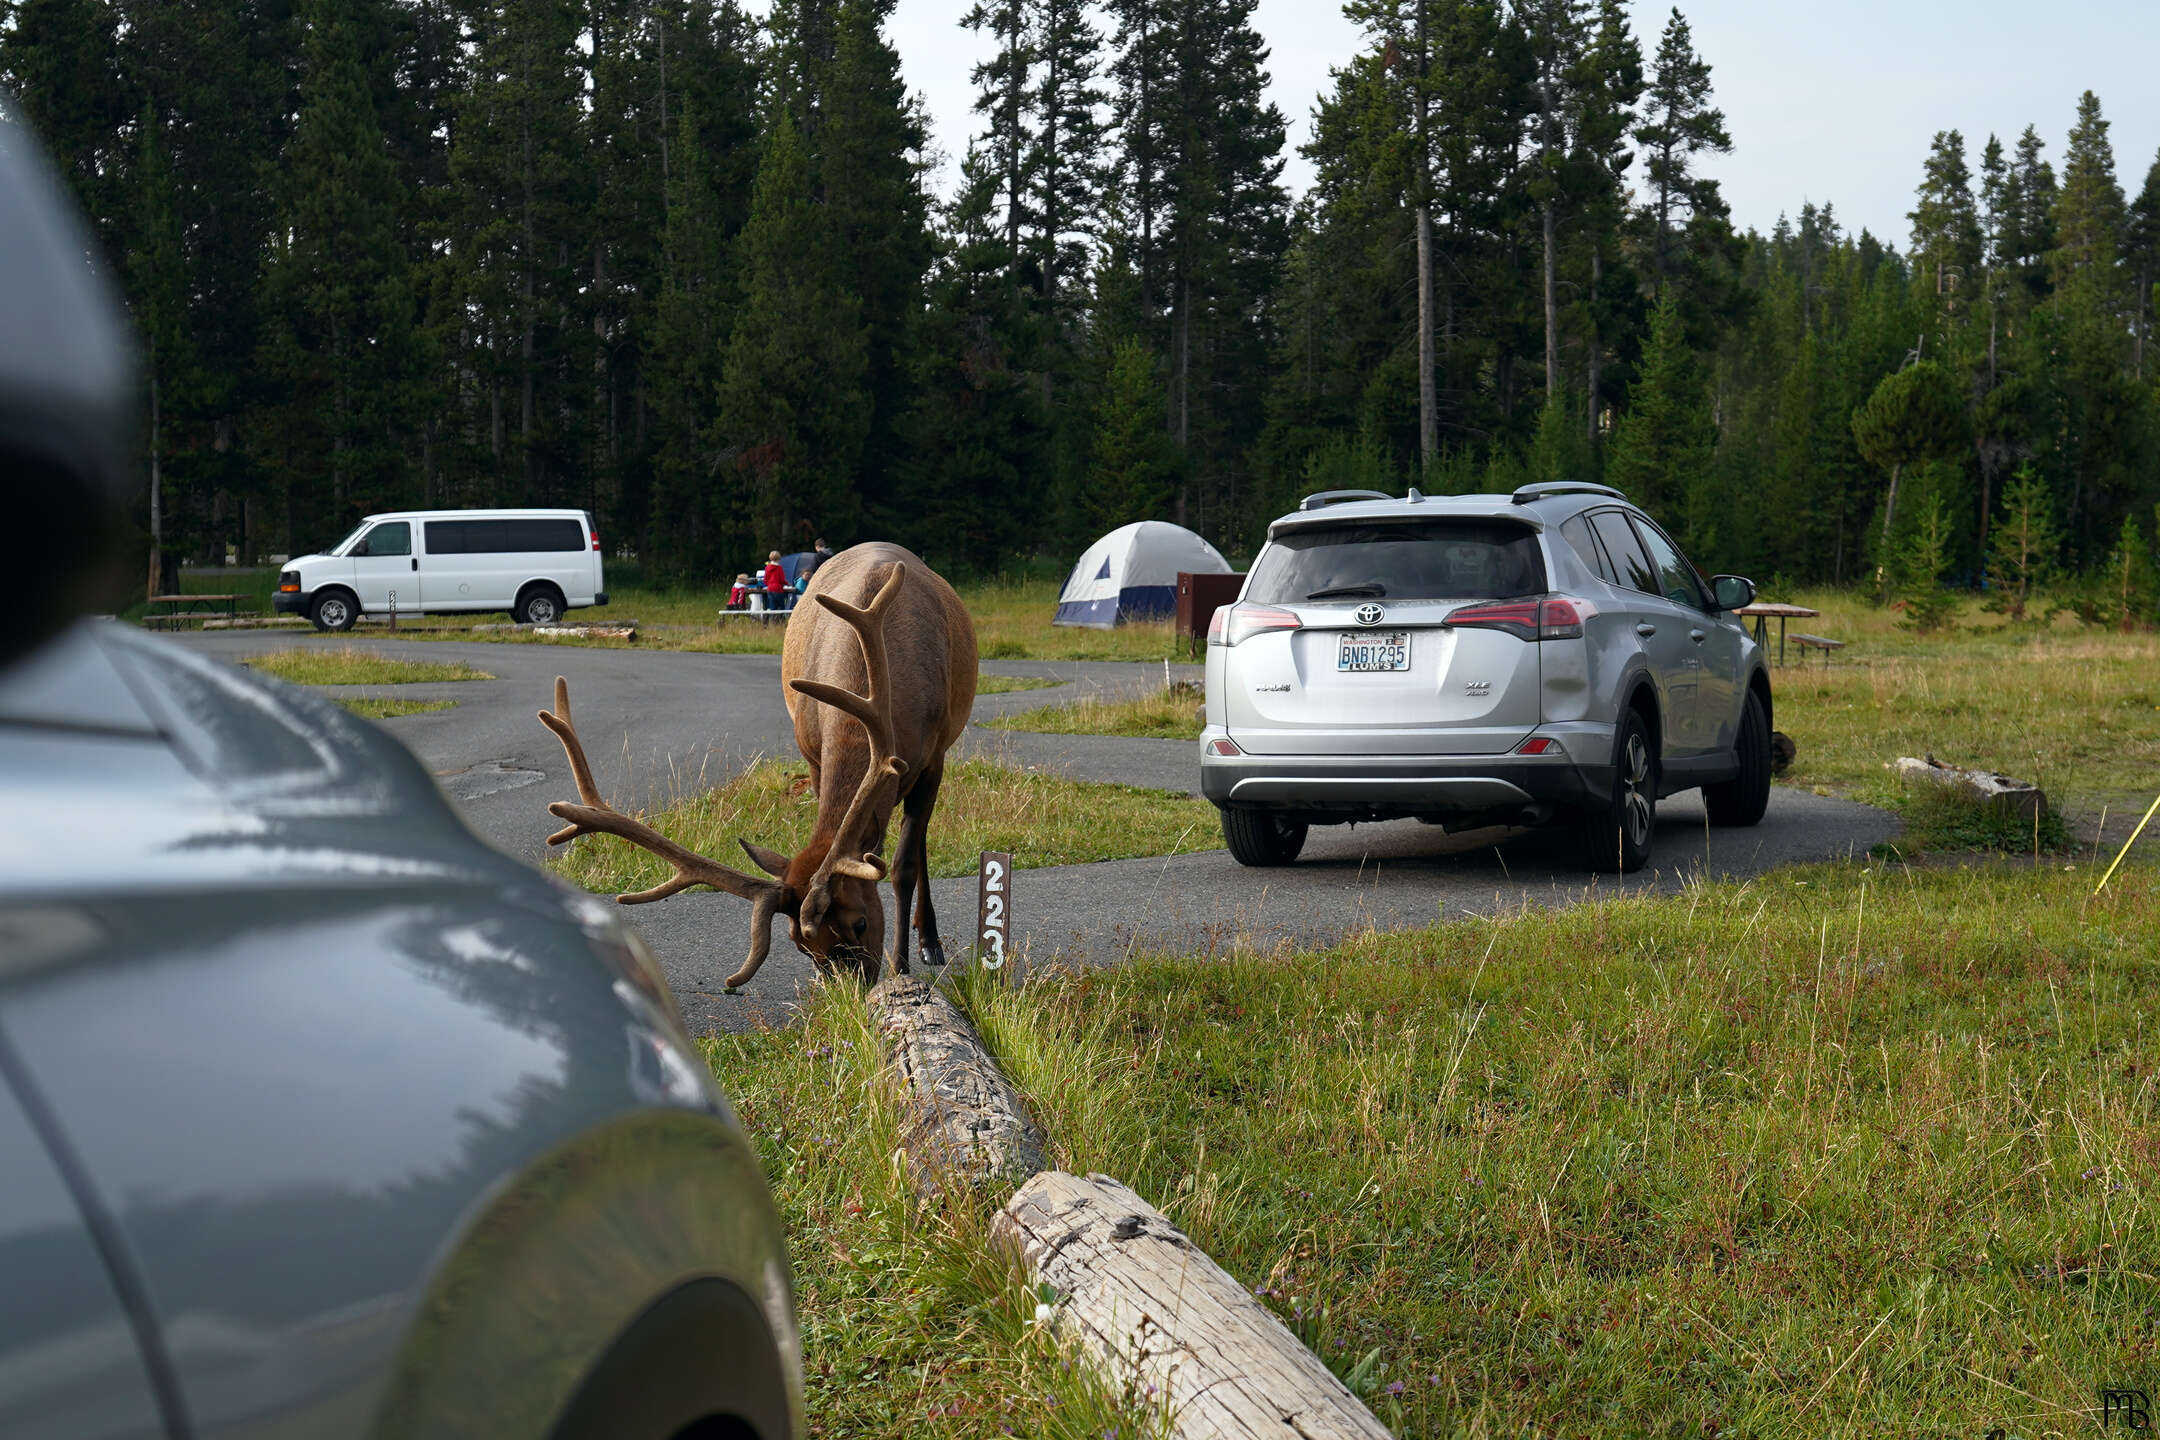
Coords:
775,582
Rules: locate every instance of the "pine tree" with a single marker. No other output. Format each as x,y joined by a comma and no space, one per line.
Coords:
522,235
1921,561
2100,430
2022,553
1559,35
1135,471
2128,578
1660,456
1612,86
341,275
1914,416
1946,240
794,408
1002,86
156,282
1678,126
2029,216
1066,167
867,174
2142,252
60,59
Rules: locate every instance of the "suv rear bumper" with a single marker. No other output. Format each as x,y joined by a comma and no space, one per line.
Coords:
1379,786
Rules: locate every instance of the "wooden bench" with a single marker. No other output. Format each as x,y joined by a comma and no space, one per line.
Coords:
1818,642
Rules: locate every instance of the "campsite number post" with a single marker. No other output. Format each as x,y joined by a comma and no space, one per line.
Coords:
993,909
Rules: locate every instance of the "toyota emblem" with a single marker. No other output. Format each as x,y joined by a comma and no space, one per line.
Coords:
1369,614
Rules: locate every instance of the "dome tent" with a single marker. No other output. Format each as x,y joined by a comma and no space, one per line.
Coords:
1131,574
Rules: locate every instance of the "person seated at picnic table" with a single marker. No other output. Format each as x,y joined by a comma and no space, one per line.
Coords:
775,583
739,597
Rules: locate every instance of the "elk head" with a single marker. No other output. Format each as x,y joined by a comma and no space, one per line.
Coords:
829,890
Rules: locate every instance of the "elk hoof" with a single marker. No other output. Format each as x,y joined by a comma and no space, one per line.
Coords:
933,953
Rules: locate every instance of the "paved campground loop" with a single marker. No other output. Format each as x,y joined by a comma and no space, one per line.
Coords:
662,724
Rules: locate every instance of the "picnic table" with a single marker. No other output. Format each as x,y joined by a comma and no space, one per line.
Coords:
156,619
1764,612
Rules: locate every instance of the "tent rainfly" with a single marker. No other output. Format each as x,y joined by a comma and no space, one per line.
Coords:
1131,574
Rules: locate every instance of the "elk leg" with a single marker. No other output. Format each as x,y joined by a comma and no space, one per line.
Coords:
908,861
920,804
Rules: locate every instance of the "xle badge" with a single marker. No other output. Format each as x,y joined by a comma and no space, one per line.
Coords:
1478,687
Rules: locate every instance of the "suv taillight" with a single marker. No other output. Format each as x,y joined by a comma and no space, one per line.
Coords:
1553,617
1235,624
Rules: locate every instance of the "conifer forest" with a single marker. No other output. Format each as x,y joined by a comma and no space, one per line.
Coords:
682,265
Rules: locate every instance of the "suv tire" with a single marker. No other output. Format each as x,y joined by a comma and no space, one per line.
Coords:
1616,836
334,610
539,605
1742,799
1261,837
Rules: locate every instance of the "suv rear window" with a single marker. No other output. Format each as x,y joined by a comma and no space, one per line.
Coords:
1405,560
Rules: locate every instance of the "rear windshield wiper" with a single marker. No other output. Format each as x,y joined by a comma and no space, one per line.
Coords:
1338,592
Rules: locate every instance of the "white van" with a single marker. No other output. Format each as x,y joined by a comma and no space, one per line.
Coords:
536,564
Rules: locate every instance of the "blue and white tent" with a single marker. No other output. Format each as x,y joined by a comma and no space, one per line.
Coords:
1131,574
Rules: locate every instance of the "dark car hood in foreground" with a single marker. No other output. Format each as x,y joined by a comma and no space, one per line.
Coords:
130,766
317,1051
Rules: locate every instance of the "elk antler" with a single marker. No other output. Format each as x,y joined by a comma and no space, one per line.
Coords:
594,816
874,709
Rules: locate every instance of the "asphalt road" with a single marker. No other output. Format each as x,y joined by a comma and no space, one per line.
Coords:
656,723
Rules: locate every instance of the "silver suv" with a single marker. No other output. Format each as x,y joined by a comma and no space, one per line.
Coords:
1479,660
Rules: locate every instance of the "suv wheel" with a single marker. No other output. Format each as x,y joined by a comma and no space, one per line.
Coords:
1261,837
1616,835
1742,799
538,606
334,610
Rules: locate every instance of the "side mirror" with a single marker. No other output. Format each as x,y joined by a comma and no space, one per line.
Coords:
1732,592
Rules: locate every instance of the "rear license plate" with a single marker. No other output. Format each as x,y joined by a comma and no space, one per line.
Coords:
1374,650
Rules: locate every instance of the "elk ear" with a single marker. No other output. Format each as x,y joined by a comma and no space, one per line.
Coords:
772,862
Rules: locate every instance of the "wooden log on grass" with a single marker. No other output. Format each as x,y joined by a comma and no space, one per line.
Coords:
1151,1310
965,1121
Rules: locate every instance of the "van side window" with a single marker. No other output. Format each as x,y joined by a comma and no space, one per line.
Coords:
497,537
392,537
1577,533
1626,551
550,535
465,537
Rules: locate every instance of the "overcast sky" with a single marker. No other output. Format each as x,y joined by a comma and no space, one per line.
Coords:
1830,100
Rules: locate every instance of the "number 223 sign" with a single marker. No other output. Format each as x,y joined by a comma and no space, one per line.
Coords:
993,926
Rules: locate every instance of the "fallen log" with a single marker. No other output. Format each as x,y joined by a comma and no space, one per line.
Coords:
965,1120
587,632
1997,793
1151,1309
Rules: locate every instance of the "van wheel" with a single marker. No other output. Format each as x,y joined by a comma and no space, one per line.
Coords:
1616,835
1261,837
1743,799
539,605
334,610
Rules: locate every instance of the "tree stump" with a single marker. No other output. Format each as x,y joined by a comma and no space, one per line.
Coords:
965,1121
1998,794
1151,1309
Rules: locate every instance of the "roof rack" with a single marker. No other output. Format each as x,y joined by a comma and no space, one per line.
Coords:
1326,498
1544,488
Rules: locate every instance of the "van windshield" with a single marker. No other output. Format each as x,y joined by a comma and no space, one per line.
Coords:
1405,560
346,544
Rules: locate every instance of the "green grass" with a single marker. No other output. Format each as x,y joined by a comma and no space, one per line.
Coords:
350,665
2075,710
1008,684
1839,1151
913,1323
383,707
1171,714
1040,819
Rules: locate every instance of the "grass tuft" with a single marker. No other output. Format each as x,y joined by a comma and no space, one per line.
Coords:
383,707
1040,819
351,665
1171,714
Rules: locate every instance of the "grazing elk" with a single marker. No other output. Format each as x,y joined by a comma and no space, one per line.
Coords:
879,677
